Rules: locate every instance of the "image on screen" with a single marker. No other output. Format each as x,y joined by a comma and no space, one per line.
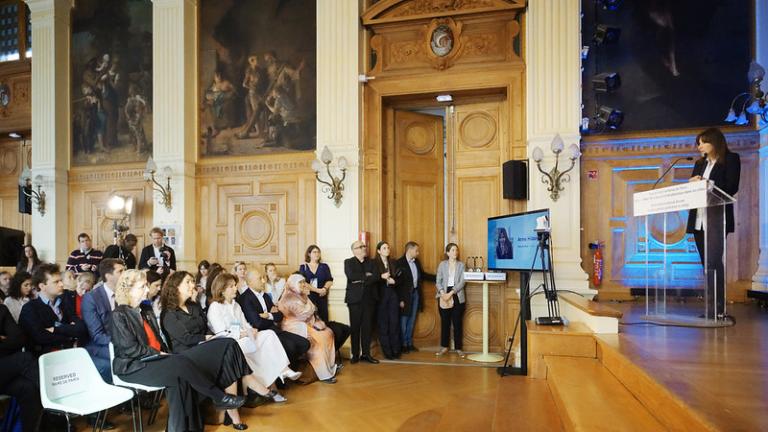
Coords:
512,241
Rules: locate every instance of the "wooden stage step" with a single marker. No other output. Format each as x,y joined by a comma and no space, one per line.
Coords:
524,404
589,398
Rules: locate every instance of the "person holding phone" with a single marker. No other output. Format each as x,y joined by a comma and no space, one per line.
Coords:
157,256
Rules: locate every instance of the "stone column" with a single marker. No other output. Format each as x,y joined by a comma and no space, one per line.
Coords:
338,120
174,137
760,279
553,74
51,124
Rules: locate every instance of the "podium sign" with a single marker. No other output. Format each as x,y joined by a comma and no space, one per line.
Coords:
685,196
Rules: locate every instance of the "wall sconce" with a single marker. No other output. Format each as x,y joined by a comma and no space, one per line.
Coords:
164,191
37,195
554,178
334,187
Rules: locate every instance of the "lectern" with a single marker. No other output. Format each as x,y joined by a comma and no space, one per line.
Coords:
711,203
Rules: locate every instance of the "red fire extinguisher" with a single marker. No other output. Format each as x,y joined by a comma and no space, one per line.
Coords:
597,263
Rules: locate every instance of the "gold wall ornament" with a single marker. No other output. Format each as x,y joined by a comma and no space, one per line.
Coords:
443,41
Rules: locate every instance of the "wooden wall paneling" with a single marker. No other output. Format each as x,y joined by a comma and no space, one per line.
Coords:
11,164
17,116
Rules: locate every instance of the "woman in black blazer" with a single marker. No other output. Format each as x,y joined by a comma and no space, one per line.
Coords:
139,358
723,168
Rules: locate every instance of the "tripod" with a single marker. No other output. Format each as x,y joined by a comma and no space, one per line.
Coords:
547,273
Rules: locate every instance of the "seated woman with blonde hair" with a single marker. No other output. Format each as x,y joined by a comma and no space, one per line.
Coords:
263,351
300,318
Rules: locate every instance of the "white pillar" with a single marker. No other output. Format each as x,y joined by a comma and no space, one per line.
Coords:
51,123
338,120
553,70
174,92
760,279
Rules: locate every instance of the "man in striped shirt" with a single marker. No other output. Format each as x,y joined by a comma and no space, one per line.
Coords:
84,259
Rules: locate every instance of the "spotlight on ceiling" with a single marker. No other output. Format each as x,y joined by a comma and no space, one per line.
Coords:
607,82
608,118
606,35
610,5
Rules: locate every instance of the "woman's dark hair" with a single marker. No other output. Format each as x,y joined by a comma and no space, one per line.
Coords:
169,295
25,261
309,251
448,248
213,271
503,231
204,264
14,291
714,137
153,277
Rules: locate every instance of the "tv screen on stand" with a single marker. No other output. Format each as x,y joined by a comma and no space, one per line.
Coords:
512,242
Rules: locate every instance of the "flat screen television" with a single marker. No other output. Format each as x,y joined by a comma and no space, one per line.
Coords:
512,242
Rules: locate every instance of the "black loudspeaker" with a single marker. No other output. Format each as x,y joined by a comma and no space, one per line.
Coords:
11,246
515,179
25,202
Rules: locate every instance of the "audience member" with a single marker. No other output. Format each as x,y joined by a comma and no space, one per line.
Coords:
85,258
262,314
239,270
451,299
275,284
301,319
19,294
29,260
200,281
186,328
123,250
97,307
19,376
157,256
213,271
409,277
5,284
74,299
142,358
361,296
262,349
150,306
318,274
48,326
389,303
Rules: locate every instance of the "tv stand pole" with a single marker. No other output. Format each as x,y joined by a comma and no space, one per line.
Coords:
486,356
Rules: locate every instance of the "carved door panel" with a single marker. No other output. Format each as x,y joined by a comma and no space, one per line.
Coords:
418,204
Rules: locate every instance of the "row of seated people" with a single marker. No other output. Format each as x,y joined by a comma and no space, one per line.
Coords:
243,339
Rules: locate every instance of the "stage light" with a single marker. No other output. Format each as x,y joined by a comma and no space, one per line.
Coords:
606,35
607,82
609,118
610,5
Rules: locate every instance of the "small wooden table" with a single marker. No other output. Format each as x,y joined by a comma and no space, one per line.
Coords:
485,356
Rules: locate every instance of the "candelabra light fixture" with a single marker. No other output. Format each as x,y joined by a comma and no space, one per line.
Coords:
554,179
334,186
164,191
36,194
755,101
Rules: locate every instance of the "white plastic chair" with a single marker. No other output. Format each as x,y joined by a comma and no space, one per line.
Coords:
137,389
71,384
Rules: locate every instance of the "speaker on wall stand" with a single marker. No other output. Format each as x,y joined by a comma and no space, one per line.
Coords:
515,179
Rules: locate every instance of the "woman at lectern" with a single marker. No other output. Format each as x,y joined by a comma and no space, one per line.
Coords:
451,299
722,167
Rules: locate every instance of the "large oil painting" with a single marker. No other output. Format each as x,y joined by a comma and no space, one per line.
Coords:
111,81
680,61
257,77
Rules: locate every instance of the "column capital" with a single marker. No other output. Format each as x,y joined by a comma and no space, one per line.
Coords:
43,6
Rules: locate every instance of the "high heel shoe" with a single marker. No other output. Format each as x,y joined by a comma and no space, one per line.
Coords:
236,426
289,374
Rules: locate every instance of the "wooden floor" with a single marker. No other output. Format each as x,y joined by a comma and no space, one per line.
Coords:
384,397
721,373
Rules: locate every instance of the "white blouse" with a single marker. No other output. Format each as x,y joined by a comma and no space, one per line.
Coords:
14,306
275,290
221,316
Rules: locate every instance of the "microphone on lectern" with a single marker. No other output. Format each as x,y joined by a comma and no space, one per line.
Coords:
688,158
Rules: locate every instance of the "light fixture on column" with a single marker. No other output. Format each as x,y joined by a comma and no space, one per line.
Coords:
334,186
755,100
37,195
164,191
555,178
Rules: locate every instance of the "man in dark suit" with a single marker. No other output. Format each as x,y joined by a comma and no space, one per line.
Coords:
123,250
158,257
18,371
262,314
361,296
97,308
409,277
47,325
